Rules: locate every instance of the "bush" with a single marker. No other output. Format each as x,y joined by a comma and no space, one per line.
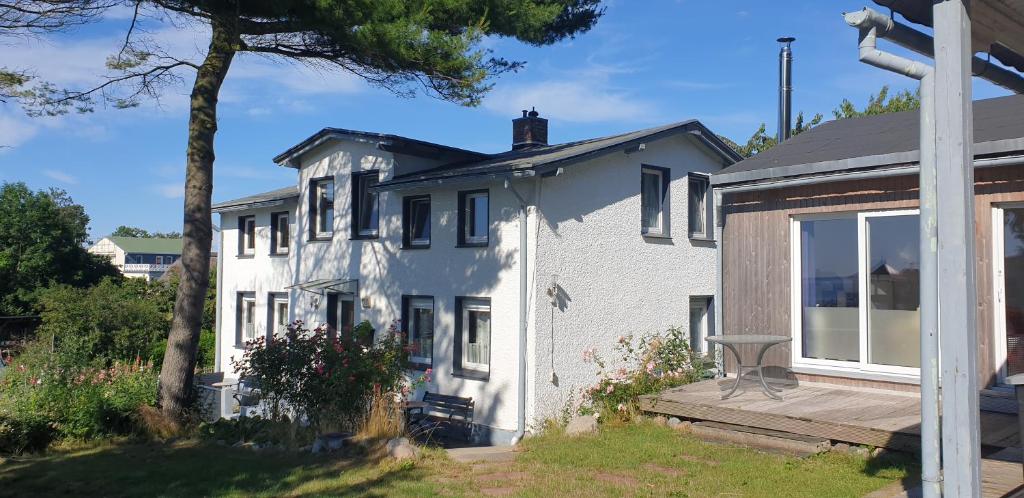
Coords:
655,363
40,395
327,382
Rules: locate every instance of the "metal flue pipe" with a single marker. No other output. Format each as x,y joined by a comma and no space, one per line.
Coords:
931,465
785,89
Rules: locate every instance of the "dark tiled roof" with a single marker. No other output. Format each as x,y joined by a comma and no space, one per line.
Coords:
280,194
874,141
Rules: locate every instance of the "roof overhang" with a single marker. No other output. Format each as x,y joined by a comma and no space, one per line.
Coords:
291,158
246,206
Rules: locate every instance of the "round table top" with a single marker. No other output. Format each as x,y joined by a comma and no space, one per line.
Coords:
749,339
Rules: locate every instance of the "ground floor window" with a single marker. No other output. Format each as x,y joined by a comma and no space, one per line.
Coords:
278,314
418,325
856,290
473,336
699,306
246,311
341,315
1008,263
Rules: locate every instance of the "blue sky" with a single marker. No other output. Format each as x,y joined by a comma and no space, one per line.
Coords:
646,63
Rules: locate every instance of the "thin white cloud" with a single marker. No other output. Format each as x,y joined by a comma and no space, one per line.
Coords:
174,190
60,176
697,85
258,111
574,101
16,130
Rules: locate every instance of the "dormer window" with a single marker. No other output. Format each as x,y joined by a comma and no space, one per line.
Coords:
321,208
365,208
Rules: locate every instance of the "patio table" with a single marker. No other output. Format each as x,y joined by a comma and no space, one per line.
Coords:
765,341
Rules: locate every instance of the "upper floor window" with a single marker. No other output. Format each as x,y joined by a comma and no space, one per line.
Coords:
416,222
365,208
654,201
474,218
280,232
246,235
698,206
321,208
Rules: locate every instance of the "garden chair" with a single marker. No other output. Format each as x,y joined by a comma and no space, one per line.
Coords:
247,396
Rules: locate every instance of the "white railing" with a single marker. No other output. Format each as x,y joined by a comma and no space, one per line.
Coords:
144,268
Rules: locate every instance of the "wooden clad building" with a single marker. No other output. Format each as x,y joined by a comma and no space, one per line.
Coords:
819,240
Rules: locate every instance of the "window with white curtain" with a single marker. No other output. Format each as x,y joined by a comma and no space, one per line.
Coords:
652,201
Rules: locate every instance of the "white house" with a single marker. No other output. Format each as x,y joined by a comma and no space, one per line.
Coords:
505,267
139,257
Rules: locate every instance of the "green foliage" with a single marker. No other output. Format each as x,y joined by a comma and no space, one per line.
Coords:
42,235
127,231
42,397
109,322
328,382
880,104
654,363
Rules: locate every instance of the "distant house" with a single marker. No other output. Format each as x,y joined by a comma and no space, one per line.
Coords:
137,257
536,253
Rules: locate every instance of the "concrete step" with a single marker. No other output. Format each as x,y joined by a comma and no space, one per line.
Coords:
762,439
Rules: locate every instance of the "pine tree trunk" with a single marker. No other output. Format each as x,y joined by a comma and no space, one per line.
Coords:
179,365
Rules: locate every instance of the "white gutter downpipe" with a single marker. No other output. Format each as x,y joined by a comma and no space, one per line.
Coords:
869,23
524,231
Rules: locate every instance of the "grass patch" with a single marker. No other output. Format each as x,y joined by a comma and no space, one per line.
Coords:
641,460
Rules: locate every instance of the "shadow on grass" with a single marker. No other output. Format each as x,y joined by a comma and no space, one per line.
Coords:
889,463
200,470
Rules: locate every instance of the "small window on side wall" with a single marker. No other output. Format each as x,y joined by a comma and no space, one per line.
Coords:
321,208
654,220
246,235
473,337
365,208
416,222
280,232
698,186
699,323
474,218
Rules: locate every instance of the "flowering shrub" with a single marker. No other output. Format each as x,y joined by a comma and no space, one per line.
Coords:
40,399
327,381
646,365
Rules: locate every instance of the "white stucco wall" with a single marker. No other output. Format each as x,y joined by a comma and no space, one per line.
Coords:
106,247
613,280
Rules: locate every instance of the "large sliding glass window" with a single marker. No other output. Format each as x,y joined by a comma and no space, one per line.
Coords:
1009,292
858,291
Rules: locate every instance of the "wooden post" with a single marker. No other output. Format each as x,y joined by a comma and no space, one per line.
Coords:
955,209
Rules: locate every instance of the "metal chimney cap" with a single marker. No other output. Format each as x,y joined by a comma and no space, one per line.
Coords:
786,39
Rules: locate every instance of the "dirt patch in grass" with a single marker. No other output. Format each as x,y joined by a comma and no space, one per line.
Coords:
617,479
498,491
668,471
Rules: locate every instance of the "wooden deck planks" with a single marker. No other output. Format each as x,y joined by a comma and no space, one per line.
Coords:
861,416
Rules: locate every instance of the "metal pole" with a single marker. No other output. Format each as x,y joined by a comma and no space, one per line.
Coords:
785,89
931,434
954,136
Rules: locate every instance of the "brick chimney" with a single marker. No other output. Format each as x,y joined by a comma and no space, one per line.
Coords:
531,130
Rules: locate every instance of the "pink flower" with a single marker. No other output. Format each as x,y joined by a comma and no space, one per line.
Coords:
650,367
621,407
428,371
609,389
622,339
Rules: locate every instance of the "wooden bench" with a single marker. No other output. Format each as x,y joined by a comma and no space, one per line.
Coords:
445,411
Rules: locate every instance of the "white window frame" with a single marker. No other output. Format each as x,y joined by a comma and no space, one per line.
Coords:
281,244
159,260
248,319
279,328
249,236
413,241
470,221
702,303
422,303
896,373
468,305
999,289
706,180
660,228
319,186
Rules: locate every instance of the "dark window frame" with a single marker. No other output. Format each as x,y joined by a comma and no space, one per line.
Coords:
457,369
272,299
461,219
356,201
406,305
708,233
665,231
242,220
240,298
407,220
275,224
313,209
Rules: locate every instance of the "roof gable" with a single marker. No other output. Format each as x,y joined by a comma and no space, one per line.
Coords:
147,245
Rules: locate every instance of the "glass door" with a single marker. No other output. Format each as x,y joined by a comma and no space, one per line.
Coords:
1008,245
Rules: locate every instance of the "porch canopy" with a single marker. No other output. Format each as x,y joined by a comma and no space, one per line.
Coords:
322,286
997,26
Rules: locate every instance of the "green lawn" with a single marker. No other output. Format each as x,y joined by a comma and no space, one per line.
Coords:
643,460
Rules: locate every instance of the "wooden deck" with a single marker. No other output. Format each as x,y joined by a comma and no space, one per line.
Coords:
853,415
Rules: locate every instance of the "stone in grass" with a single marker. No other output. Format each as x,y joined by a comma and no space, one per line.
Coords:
402,449
660,421
583,424
674,421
